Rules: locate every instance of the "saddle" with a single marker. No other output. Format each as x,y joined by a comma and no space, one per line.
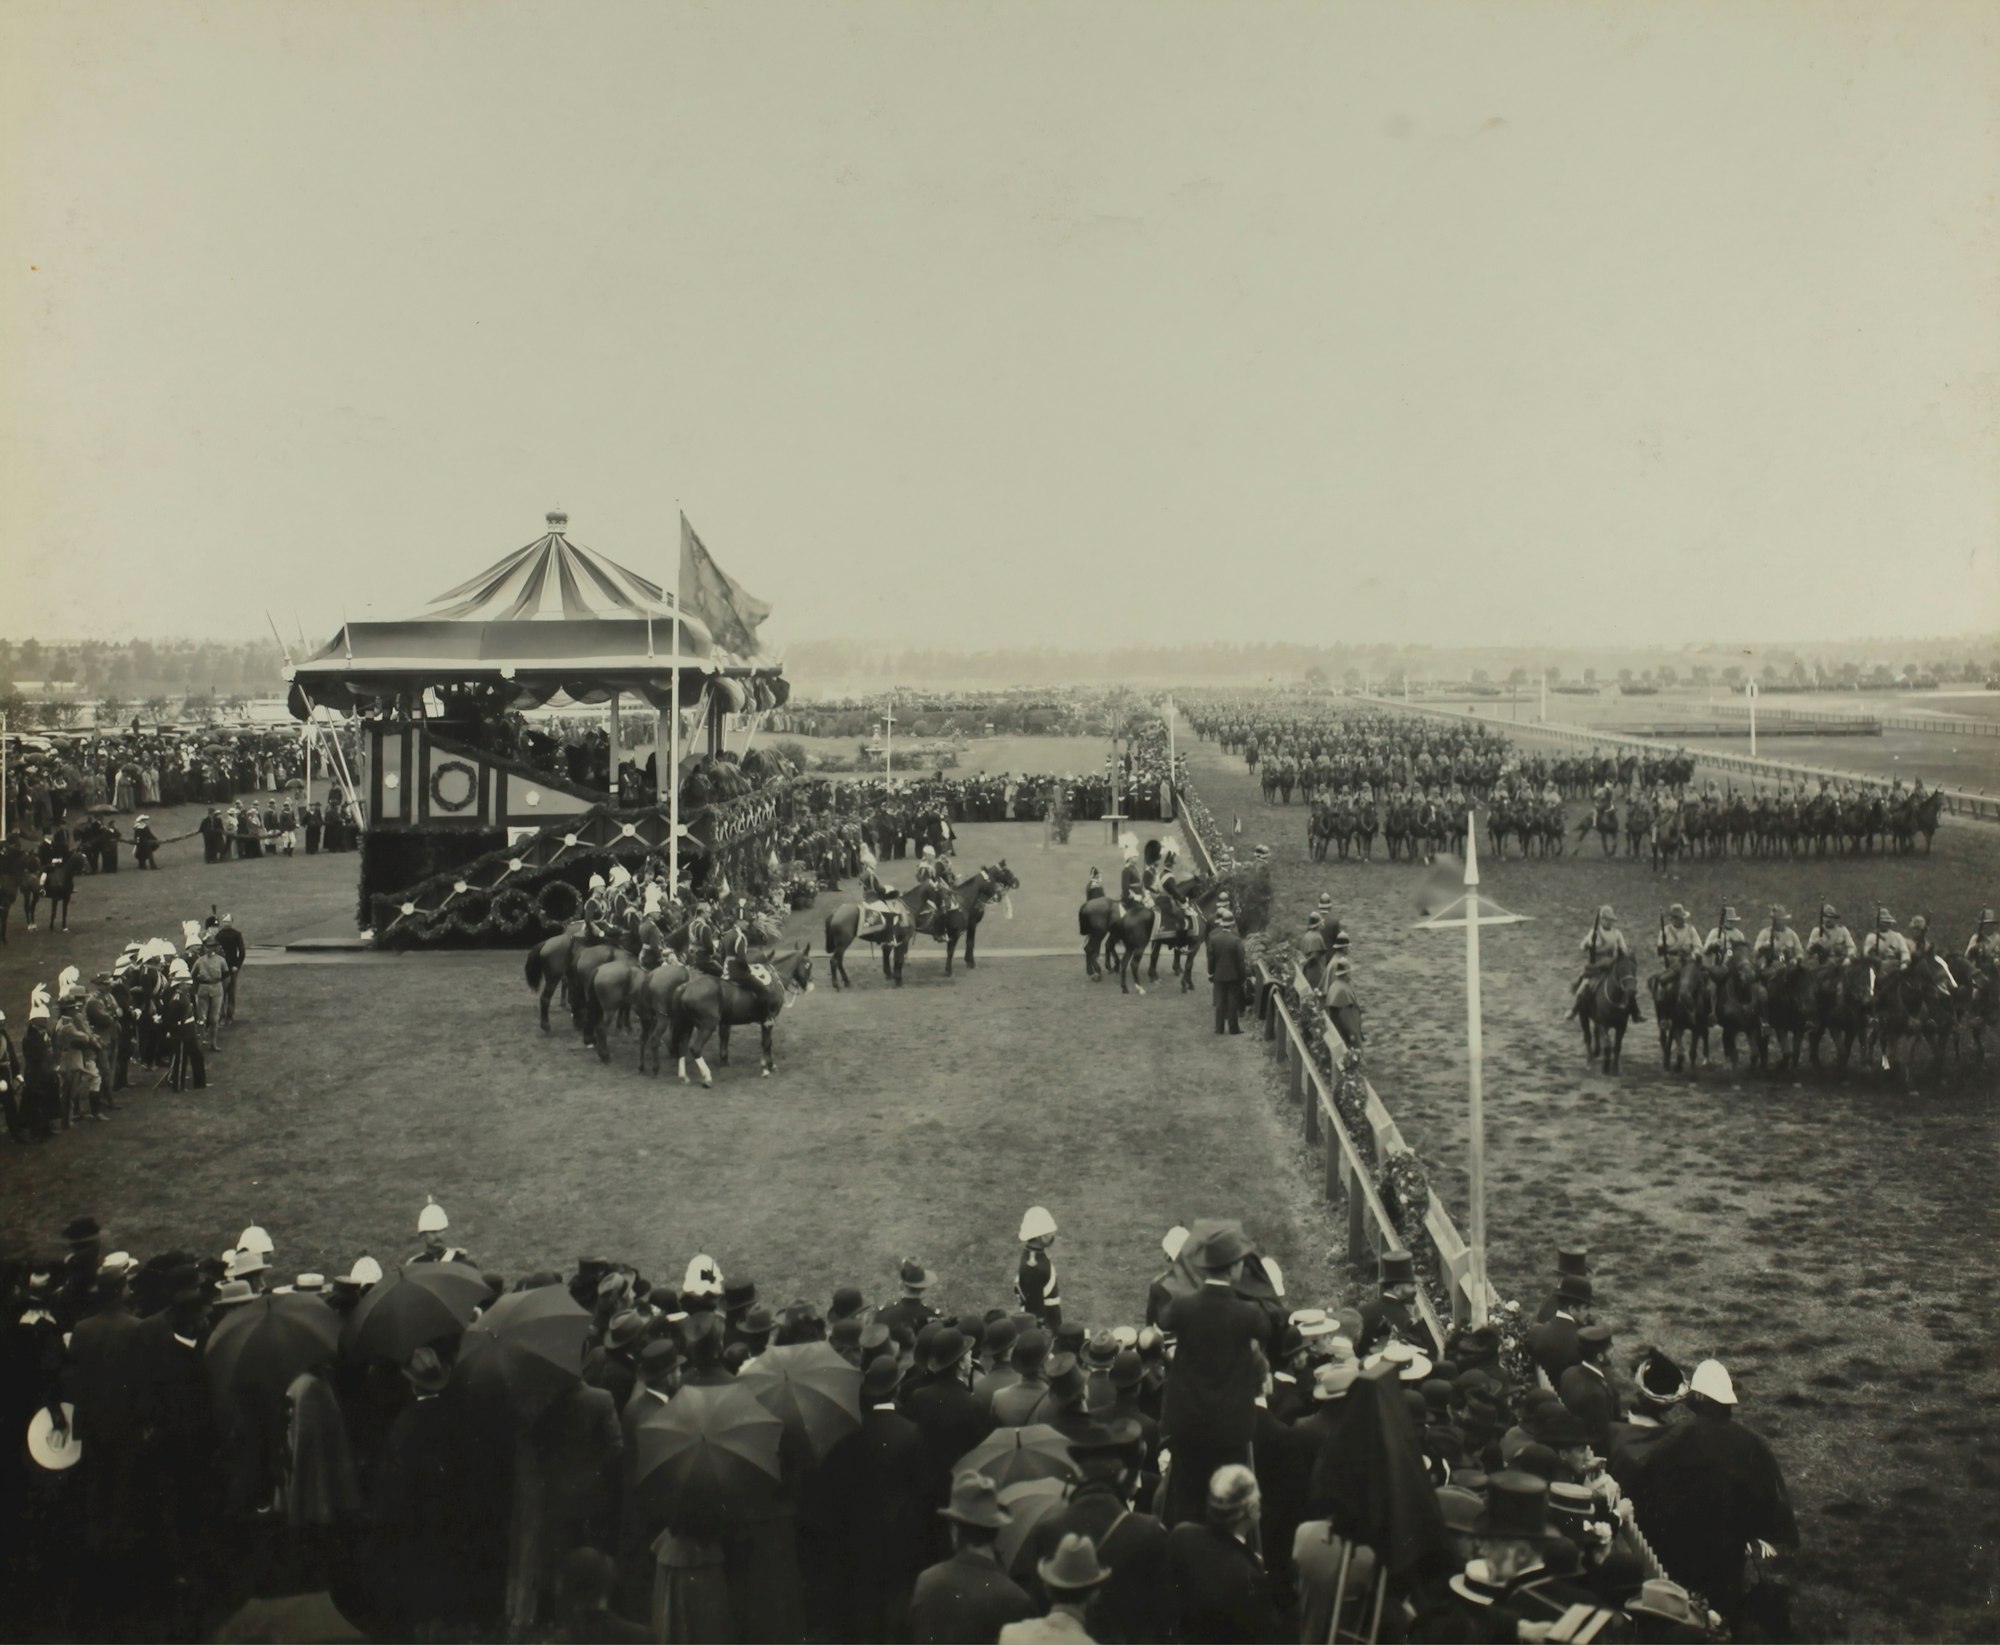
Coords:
875,916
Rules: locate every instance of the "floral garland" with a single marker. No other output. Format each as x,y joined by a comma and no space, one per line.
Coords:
437,785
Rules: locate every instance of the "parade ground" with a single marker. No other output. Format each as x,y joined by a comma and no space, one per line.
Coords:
1832,1243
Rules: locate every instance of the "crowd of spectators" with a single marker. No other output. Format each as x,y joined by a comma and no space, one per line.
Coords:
437,1451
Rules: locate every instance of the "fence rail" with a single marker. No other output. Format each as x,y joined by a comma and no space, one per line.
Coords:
1958,802
1347,1176
1957,725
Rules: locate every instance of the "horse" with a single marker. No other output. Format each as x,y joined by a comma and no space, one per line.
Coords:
1638,825
1739,1010
1110,927
1916,1006
1669,842
1914,817
1843,1006
1182,929
1683,1003
1604,819
58,883
1606,1007
706,1006
967,908
548,965
1979,996
959,913
654,1003
1789,993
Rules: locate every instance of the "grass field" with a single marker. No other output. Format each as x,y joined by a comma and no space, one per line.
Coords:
914,1122
1833,1244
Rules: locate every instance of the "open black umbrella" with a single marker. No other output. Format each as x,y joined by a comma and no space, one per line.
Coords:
811,1389
260,1346
709,1459
526,1350
1008,1456
421,1304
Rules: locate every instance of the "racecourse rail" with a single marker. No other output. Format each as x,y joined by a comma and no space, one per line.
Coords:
1955,725
1958,801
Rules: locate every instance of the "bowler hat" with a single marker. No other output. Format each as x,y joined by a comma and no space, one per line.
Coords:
426,1372
1461,1508
1031,1347
81,1230
1516,1507
999,1337
757,1321
975,1500
948,1347
879,1381
1556,1426
1073,1567
1128,1370
1573,1288
914,1275
626,1329
847,1301
1536,1459
1067,1382
1111,1434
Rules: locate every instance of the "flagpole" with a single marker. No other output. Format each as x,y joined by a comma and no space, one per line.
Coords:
1474,1050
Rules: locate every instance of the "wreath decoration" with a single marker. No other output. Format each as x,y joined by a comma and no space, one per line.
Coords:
512,910
471,791
558,902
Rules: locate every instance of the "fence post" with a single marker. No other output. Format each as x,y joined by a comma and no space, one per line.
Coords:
1294,1070
1312,1106
1333,1174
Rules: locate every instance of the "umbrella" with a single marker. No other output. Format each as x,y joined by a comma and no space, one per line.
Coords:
295,782
709,1457
102,811
1371,1470
1030,1502
421,1303
1008,1456
527,1349
261,1346
811,1389
296,1618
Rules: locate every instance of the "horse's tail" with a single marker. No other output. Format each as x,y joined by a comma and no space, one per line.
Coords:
534,966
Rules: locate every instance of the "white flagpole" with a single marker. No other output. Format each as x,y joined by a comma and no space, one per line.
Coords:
1474,1054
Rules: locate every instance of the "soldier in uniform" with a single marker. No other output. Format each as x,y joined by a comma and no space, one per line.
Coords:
1778,944
1603,946
1885,946
1679,941
1983,948
433,1224
732,949
700,940
1035,1281
1830,941
1727,941
1093,888
1920,939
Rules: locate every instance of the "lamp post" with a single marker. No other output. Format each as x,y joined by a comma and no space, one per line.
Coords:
888,738
1471,912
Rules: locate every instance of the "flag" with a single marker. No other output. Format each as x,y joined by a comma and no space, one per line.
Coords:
731,611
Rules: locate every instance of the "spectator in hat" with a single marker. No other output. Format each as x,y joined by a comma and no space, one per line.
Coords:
967,1599
1065,1407
1214,1378
996,1353
1710,1490
1136,1603
425,1575
1586,1387
1659,1387
945,1410
865,1517
1572,1262
1557,1342
1015,1406
909,1309
1510,1582
1035,1279
847,1304
1071,1577
613,1364
739,1295
1220,1589
1391,1314
1158,1293
1228,971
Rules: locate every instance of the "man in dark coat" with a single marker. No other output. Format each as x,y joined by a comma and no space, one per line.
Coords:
1228,970
1221,1591
179,1484
1710,1490
967,1599
1137,1603
1557,1343
1586,1387
101,1383
864,1519
1391,1314
945,1410
909,1308
425,1571
1572,1262
580,1449
1214,1378
1658,1389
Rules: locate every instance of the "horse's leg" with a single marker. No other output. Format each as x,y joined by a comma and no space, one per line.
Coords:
971,937
770,1055
950,949
600,1025
722,1039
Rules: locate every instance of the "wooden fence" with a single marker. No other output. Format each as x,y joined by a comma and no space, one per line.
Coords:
1955,725
1347,1174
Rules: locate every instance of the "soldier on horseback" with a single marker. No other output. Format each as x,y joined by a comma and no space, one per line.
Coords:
1679,941
1983,949
1885,946
1830,942
701,940
1603,946
732,951
1778,944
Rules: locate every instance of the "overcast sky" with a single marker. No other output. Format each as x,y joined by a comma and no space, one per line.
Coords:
1003,323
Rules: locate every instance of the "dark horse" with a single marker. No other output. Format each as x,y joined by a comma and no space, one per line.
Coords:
548,965
1120,934
58,883
1607,1006
706,1006
957,915
1604,819
1182,928
1844,1008
1683,1004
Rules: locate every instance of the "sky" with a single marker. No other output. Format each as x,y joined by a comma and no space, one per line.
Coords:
985,324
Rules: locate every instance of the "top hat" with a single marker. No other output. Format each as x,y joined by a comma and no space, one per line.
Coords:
738,1293
1573,1259
1516,1507
1398,1267
975,1500
1073,1567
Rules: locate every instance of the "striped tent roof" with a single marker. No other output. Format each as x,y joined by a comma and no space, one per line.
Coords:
555,580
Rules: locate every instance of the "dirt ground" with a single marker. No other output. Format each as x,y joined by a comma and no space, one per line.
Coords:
1834,1244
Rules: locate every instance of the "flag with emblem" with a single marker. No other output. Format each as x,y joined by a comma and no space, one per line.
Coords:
733,614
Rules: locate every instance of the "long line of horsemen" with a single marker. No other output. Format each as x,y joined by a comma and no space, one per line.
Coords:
1411,783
